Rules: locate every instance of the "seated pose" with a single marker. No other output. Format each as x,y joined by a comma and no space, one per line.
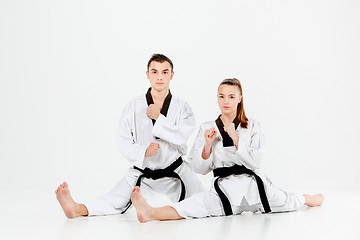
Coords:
232,147
152,135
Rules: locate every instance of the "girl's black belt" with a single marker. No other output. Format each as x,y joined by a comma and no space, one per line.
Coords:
238,170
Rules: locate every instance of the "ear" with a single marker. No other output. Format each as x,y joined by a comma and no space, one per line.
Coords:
147,74
240,99
172,74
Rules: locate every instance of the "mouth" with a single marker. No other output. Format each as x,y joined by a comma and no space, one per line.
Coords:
226,107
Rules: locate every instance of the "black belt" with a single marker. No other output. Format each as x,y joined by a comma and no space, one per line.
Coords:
238,170
161,173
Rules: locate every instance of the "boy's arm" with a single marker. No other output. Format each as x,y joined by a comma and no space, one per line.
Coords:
126,141
176,134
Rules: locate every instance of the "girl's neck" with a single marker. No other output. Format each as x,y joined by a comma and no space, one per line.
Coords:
228,118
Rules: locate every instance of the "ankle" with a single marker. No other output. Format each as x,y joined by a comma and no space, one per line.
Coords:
307,198
152,213
81,210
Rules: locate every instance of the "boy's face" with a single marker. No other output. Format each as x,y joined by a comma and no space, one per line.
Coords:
160,75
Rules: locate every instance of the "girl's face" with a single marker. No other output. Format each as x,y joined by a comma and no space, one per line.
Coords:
228,98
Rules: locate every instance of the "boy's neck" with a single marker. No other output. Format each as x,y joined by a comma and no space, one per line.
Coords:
159,96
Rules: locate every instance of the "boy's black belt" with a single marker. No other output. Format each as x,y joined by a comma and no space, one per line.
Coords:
161,173
238,170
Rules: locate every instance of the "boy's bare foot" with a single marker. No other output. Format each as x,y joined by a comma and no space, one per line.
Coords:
69,206
143,209
314,200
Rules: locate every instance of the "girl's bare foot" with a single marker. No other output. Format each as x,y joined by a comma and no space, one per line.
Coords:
143,209
314,200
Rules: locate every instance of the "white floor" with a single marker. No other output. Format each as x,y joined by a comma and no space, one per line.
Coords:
30,214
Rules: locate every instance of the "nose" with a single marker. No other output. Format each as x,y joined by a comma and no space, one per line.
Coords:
159,76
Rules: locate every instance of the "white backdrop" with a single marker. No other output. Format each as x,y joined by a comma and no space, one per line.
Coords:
67,69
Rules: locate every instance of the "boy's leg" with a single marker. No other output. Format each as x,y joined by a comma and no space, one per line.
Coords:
192,183
113,202
171,187
69,206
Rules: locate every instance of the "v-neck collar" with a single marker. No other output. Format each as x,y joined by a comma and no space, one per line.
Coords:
227,140
165,106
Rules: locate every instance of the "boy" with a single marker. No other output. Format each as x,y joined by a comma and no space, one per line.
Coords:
152,134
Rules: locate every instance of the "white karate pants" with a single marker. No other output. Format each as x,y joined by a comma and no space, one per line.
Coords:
208,203
115,201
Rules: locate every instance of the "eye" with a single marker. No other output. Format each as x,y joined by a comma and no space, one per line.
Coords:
221,96
165,72
153,72
231,97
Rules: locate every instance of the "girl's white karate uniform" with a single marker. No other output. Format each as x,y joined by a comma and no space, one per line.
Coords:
241,190
135,133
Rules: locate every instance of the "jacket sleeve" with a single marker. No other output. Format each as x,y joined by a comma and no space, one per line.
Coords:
252,155
200,165
179,133
126,140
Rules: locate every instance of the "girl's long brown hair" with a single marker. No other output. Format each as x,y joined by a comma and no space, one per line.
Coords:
240,113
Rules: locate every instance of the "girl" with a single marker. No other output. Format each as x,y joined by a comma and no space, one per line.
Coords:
232,147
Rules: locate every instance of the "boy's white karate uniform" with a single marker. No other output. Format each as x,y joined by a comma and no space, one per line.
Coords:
135,133
241,190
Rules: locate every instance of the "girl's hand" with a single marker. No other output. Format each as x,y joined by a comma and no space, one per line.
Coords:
230,129
210,135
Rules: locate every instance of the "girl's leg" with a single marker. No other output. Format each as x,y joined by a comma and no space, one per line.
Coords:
313,200
284,201
147,213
